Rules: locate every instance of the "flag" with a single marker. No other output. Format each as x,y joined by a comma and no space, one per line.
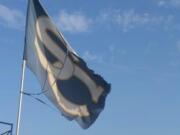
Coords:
64,77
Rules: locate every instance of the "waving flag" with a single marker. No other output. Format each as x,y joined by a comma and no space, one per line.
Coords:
65,79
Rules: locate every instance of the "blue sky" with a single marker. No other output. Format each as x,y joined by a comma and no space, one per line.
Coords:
135,45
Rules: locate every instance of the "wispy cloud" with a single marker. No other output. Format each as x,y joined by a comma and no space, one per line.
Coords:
124,20
130,19
108,56
73,22
89,56
77,22
168,3
11,18
107,59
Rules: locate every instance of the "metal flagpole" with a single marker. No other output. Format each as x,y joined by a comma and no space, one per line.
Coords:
20,98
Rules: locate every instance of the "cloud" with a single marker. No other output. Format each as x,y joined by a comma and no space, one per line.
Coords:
11,18
107,59
116,51
92,57
169,3
73,22
109,55
130,19
124,20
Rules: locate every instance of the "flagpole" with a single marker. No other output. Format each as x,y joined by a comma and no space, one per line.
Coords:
20,98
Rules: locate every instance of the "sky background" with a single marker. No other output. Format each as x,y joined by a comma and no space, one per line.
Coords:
133,44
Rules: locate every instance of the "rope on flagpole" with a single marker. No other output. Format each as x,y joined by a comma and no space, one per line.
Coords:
39,100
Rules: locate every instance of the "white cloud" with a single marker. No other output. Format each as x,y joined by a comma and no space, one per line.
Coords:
92,57
169,3
104,61
73,22
11,17
130,19
109,55
108,59
124,20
